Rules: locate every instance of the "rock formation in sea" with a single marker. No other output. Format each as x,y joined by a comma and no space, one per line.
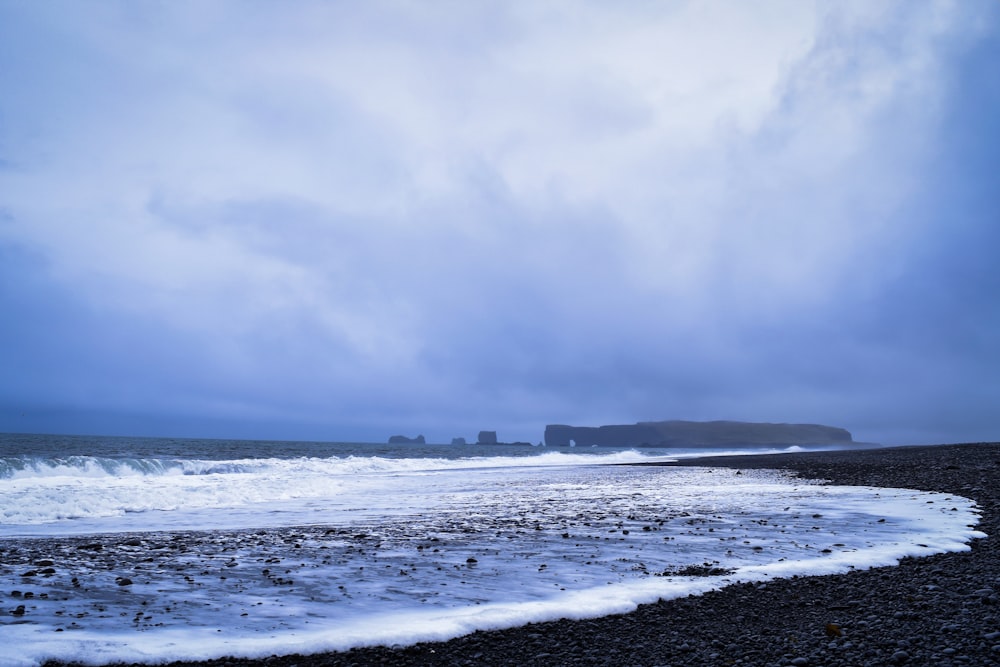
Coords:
676,433
403,440
487,438
458,441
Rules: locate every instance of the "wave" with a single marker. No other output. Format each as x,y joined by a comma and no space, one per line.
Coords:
25,467
84,467
38,491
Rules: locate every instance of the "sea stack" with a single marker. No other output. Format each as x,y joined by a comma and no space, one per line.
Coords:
403,440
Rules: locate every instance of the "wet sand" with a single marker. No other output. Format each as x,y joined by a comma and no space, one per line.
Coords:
938,610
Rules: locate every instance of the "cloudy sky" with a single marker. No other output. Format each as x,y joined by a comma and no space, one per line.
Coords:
345,220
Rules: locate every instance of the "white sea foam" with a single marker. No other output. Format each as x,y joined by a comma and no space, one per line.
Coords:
407,550
68,491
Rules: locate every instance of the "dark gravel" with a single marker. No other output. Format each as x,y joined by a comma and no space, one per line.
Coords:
940,610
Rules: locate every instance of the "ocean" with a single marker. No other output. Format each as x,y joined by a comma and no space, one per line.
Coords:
155,549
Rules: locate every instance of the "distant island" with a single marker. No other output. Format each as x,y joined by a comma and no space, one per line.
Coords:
672,433
676,433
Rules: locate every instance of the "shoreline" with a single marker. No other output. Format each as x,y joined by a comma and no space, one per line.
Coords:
936,610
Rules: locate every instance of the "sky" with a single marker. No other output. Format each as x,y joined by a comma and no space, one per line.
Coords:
348,220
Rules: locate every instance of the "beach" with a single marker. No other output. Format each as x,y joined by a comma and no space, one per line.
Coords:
936,610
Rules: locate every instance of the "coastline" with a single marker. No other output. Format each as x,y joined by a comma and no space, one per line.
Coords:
936,610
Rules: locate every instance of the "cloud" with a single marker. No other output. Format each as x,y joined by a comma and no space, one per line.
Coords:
371,217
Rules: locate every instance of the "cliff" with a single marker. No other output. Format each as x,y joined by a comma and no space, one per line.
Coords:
677,433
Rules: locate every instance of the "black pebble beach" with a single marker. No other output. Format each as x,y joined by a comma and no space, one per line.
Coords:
939,610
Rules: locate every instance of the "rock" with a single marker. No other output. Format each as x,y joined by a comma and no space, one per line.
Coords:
403,440
19,611
487,438
458,441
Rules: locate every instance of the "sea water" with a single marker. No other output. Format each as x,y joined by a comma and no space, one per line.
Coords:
145,549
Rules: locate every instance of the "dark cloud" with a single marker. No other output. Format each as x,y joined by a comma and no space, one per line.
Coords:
348,239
